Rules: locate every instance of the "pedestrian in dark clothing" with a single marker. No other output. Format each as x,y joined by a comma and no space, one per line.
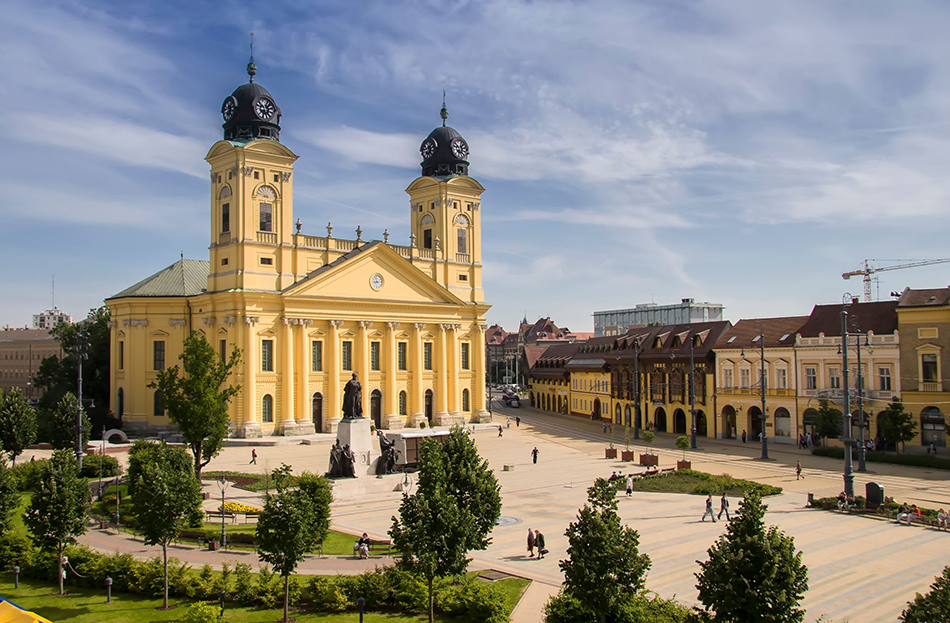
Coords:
743,436
709,509
798,470
539,543
499,430
530,543
534,455
723,507
517,421
253,457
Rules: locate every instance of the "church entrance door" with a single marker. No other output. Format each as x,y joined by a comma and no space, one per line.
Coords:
376,408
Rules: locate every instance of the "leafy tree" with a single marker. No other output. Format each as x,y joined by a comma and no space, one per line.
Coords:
317,489
9,496
17,423
648,437
144,453
934,606
828,421
604,570
897,425
753,575
58,375
452,512
166,498
62,424
196,398
57,513
290,525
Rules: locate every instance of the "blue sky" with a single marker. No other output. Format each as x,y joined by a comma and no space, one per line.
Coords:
745,153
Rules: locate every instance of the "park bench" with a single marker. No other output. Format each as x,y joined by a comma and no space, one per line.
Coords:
377,546
216,515
667,470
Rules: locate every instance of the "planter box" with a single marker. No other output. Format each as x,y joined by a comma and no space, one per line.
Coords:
611,453
683,465
649,460
626,455
214,546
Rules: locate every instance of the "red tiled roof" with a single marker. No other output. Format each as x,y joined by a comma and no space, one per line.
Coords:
879,317
924,298
777,331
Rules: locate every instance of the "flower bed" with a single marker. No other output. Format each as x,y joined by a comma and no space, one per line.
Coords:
238,507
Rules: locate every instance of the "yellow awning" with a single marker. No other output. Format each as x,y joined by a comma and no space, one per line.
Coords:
11,614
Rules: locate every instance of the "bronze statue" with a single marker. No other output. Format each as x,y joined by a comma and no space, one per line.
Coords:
348,462
387,454
353,399
336,460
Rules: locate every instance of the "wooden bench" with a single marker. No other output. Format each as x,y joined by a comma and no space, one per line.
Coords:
668,470
377,546
213,515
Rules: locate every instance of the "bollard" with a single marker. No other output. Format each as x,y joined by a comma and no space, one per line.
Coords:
361,603
221,596
16,577
108,590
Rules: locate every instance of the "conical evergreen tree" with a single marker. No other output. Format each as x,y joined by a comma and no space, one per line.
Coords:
754,574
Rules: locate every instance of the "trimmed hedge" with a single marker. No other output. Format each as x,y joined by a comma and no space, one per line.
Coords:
697,483
876,456
91,462
27,474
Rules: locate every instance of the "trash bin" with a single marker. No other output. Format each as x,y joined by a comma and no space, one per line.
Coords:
874,494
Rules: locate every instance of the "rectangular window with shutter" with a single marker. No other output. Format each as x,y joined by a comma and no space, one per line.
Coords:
427,355
316,356
226,218
223,350
374,356
347,355
267,355
267,217
121,355
401,355
465,356
158,355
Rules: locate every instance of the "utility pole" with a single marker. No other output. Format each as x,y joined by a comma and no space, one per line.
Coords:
692,396
636,387
80,355
765,436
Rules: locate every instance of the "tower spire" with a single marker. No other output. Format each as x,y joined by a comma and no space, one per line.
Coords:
444,113
251,67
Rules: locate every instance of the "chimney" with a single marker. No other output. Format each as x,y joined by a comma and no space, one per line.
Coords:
855,300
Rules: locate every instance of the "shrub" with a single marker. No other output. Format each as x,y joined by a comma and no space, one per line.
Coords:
327,595
27,474
201,612
270,588
875,456
422,424
110,466
245,591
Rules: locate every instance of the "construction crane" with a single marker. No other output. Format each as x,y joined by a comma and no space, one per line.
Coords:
868,270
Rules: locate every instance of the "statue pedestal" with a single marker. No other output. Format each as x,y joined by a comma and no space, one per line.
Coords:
356,433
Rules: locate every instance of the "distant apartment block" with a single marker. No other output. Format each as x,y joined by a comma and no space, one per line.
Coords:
617,321
51,318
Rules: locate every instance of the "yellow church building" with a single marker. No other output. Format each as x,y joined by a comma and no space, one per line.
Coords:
308,311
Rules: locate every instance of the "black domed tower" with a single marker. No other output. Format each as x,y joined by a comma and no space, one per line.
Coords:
444,152
250,113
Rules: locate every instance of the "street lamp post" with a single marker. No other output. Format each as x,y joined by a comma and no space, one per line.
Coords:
765,436
859,387
636,387
223,486
117,503
80,355
848,469
692,397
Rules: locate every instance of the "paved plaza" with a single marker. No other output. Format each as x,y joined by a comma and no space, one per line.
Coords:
859,568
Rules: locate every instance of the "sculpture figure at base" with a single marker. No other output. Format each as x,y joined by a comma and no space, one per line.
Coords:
387,455
348,462
336,460
353,398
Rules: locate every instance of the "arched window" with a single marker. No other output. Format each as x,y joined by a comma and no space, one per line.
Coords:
403,407
465,406
461,219
427,219
266,191
225,192
267,409
159,404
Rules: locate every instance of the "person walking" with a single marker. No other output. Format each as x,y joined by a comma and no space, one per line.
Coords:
253,456
629,485
499,430
534,455
517,421
798,470
508,422
743,435
530,543
539,543
723,506
709,509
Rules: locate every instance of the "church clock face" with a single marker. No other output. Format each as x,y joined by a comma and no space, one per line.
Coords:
376,282
428,148
228,108
264,108
460,149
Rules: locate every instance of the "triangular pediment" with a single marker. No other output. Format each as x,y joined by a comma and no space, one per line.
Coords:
354,276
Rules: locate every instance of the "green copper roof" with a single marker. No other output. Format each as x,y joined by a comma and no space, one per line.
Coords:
183,278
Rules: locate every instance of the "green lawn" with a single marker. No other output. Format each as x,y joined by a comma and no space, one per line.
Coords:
697,483
87,606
